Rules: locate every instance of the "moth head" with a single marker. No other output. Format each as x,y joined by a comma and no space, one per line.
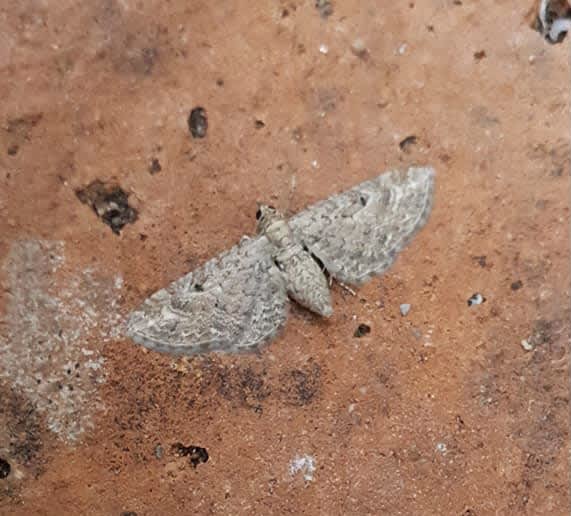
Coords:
266,216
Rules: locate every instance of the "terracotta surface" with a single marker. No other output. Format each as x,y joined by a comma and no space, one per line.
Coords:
439,412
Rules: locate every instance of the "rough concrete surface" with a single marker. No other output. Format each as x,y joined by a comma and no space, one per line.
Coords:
453,409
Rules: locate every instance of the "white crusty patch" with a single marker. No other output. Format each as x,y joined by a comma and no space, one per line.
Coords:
305,464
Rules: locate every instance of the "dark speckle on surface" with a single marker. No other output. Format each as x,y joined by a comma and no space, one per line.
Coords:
155,167
301,386
481,260
196,454
110,203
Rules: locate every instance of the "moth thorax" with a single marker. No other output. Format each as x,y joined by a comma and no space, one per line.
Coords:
278,232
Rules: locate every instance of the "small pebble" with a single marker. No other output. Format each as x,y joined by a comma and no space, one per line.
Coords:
528,346
324,49
404,309
358,48
159,452
476,299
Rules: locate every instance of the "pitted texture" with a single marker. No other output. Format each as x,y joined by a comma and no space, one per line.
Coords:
238,300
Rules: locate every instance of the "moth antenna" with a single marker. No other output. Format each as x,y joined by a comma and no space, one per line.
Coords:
292,187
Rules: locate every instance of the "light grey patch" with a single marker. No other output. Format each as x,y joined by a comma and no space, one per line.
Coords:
45,348
404,309
241,302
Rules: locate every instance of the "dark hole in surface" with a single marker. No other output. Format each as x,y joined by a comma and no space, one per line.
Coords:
196,454
110,203
362,330
13,150
198,122
516,285
259,124
5,468
408,142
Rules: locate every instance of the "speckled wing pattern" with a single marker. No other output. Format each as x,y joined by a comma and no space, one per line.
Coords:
233,303
238,300
358,233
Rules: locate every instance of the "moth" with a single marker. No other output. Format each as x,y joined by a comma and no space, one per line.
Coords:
238,301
